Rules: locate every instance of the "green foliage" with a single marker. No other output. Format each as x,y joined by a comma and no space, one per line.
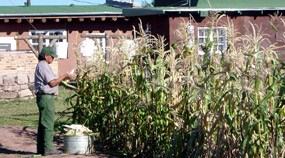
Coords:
177,103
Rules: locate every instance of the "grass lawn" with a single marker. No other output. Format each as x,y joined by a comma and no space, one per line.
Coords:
24,112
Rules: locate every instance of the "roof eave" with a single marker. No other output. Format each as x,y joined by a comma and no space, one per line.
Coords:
222,9
160,11
62,14
142,12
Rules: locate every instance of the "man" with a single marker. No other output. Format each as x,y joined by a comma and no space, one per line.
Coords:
46,86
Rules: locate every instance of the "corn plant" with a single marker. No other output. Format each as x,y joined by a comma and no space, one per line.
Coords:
176,103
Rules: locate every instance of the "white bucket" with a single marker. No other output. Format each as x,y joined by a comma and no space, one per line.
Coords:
60,49
78,144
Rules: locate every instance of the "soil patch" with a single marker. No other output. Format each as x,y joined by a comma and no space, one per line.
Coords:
20,142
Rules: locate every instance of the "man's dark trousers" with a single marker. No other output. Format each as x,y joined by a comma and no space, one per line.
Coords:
46,105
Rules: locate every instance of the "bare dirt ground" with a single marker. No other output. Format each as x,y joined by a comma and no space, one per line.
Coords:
20,142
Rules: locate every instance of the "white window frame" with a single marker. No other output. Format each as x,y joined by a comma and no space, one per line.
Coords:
46,42
100,42
7,44
218,35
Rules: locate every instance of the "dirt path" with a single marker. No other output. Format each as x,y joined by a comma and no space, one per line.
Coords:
19,142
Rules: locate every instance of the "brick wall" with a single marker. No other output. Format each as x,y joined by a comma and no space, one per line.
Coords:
17,74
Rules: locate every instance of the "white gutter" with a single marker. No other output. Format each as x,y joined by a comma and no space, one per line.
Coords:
221,9
63,14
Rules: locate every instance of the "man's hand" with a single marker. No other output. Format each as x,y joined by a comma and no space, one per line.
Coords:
71,75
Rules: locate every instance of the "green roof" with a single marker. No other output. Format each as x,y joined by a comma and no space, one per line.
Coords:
240,3
58,10
211,5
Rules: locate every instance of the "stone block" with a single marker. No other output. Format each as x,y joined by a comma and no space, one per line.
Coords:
25,93
8,88
22,79
8,95
1,89
8,80
31,78
1,80
24,86
16,88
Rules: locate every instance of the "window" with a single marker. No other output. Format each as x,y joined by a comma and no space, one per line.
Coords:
46,42
100,42
94,46
218,35
7,44
148,29
100,47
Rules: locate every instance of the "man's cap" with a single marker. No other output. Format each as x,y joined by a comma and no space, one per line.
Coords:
49,51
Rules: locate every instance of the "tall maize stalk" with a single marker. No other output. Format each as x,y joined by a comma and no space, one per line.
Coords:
176,103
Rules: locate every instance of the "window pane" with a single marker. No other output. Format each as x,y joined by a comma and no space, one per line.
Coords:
201,33
223,32
46,42
56,33
218,35
206,32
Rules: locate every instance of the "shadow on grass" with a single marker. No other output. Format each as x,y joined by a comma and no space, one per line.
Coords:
14,119
27,114
34,114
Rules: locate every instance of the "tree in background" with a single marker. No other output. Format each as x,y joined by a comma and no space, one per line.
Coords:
145,4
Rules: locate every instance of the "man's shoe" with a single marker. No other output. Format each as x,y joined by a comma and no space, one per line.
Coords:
52,152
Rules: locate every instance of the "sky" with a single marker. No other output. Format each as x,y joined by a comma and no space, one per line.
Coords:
59,2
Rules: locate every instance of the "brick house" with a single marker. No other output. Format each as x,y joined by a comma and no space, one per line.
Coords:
242,12
71,24
23,28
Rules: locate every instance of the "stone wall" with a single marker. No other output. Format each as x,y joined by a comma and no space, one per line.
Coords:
17,74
